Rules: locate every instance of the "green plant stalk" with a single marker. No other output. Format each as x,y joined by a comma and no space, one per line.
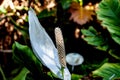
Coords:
51,75
3,75
62,70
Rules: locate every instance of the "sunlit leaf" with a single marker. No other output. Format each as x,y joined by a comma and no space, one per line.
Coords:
109,71
108,12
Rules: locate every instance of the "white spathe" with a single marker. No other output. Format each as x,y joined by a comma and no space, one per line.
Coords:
44,48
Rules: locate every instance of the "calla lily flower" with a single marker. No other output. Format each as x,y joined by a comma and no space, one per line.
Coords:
44,48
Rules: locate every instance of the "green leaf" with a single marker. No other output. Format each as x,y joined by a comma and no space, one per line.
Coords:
115,53
16,70
53,76
103,47
90,32
76,77
66,3
96,41
22,75
3,10
45,13
25,56
2,73
109,71
92,37
108,12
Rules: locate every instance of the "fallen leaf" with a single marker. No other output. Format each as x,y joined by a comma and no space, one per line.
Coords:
79,14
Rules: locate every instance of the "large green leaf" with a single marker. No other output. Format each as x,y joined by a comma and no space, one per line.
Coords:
96,39
92,37
109,13
109,71
24,55
22,75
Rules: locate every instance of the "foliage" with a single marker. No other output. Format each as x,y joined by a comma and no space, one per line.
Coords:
107,39
45,13
67,3
76,77
24,55
95,38
108,13
2,73
108,71
21,52
22,75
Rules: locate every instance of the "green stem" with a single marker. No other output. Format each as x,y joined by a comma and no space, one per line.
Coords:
51,75
81,2
62,70
3,75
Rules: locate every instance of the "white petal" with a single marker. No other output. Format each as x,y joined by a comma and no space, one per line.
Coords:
42,45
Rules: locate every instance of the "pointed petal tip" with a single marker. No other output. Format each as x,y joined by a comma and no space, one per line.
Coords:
31,10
